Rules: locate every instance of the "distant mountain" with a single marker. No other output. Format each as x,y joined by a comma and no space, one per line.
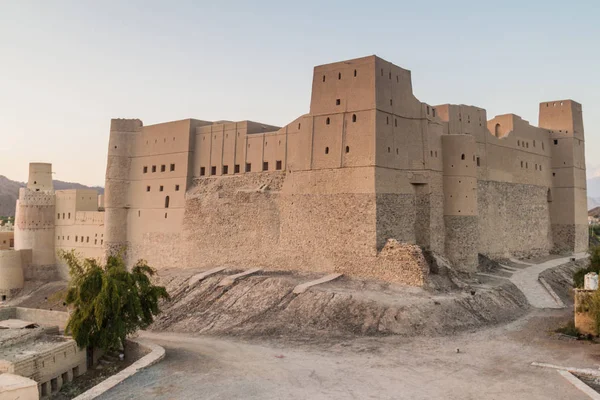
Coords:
593,192
9,192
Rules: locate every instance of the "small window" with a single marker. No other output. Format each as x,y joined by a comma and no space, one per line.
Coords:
540,167
430,153
248,167
278,165
172,167
555,141
147,188
396,151
166,202
299,125
236,169
347,149
87,239
554,174
353,117
154,168
225,169
527,144
389,150
478,162
339,75
327,121
497,130
337,102
63,216
202,171
354,72
265,165
69,216
534,143
542,145
462,157
387,120
161,188
76,238
323,78
163,168
145,169
391,102
58,216
521,164
527,165
326,150
427,110
433,111
213,170
518,143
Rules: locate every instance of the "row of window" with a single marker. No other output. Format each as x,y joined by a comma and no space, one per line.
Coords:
356,74
81,239
163,168
63,216
164,140
236,167
538,167
161,188
526,144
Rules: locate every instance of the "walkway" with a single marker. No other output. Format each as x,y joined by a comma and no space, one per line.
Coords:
526,277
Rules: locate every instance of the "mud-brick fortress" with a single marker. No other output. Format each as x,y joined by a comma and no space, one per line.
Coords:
46,221
343,188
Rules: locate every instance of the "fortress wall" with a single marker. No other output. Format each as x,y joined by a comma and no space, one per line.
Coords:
11,272
232,221
514,219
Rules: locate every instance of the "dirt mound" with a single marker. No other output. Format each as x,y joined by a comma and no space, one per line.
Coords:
265,305
561,278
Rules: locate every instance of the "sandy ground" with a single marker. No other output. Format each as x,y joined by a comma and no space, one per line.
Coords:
492,363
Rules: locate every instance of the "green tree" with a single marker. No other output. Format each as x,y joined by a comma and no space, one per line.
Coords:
109,302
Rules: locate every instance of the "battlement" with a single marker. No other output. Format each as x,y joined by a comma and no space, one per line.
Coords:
563,117
125,125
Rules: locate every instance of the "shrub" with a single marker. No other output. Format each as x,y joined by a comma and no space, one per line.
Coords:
109,303
594,266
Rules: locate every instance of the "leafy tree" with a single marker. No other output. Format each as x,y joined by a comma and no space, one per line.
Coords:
109,302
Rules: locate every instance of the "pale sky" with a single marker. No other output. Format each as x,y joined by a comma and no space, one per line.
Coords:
68,67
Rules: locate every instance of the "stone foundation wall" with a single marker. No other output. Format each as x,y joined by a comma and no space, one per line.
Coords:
462,238
569,238
262,220
514,219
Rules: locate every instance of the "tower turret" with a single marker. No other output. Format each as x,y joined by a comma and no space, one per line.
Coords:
568,194
116,193
460,200
34,219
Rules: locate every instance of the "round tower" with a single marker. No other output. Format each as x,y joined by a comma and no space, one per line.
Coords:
116,192
460,200
34,218
11,273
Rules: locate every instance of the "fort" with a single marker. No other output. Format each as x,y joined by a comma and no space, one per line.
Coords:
350,187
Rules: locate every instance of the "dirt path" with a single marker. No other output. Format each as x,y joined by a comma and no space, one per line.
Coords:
492,364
